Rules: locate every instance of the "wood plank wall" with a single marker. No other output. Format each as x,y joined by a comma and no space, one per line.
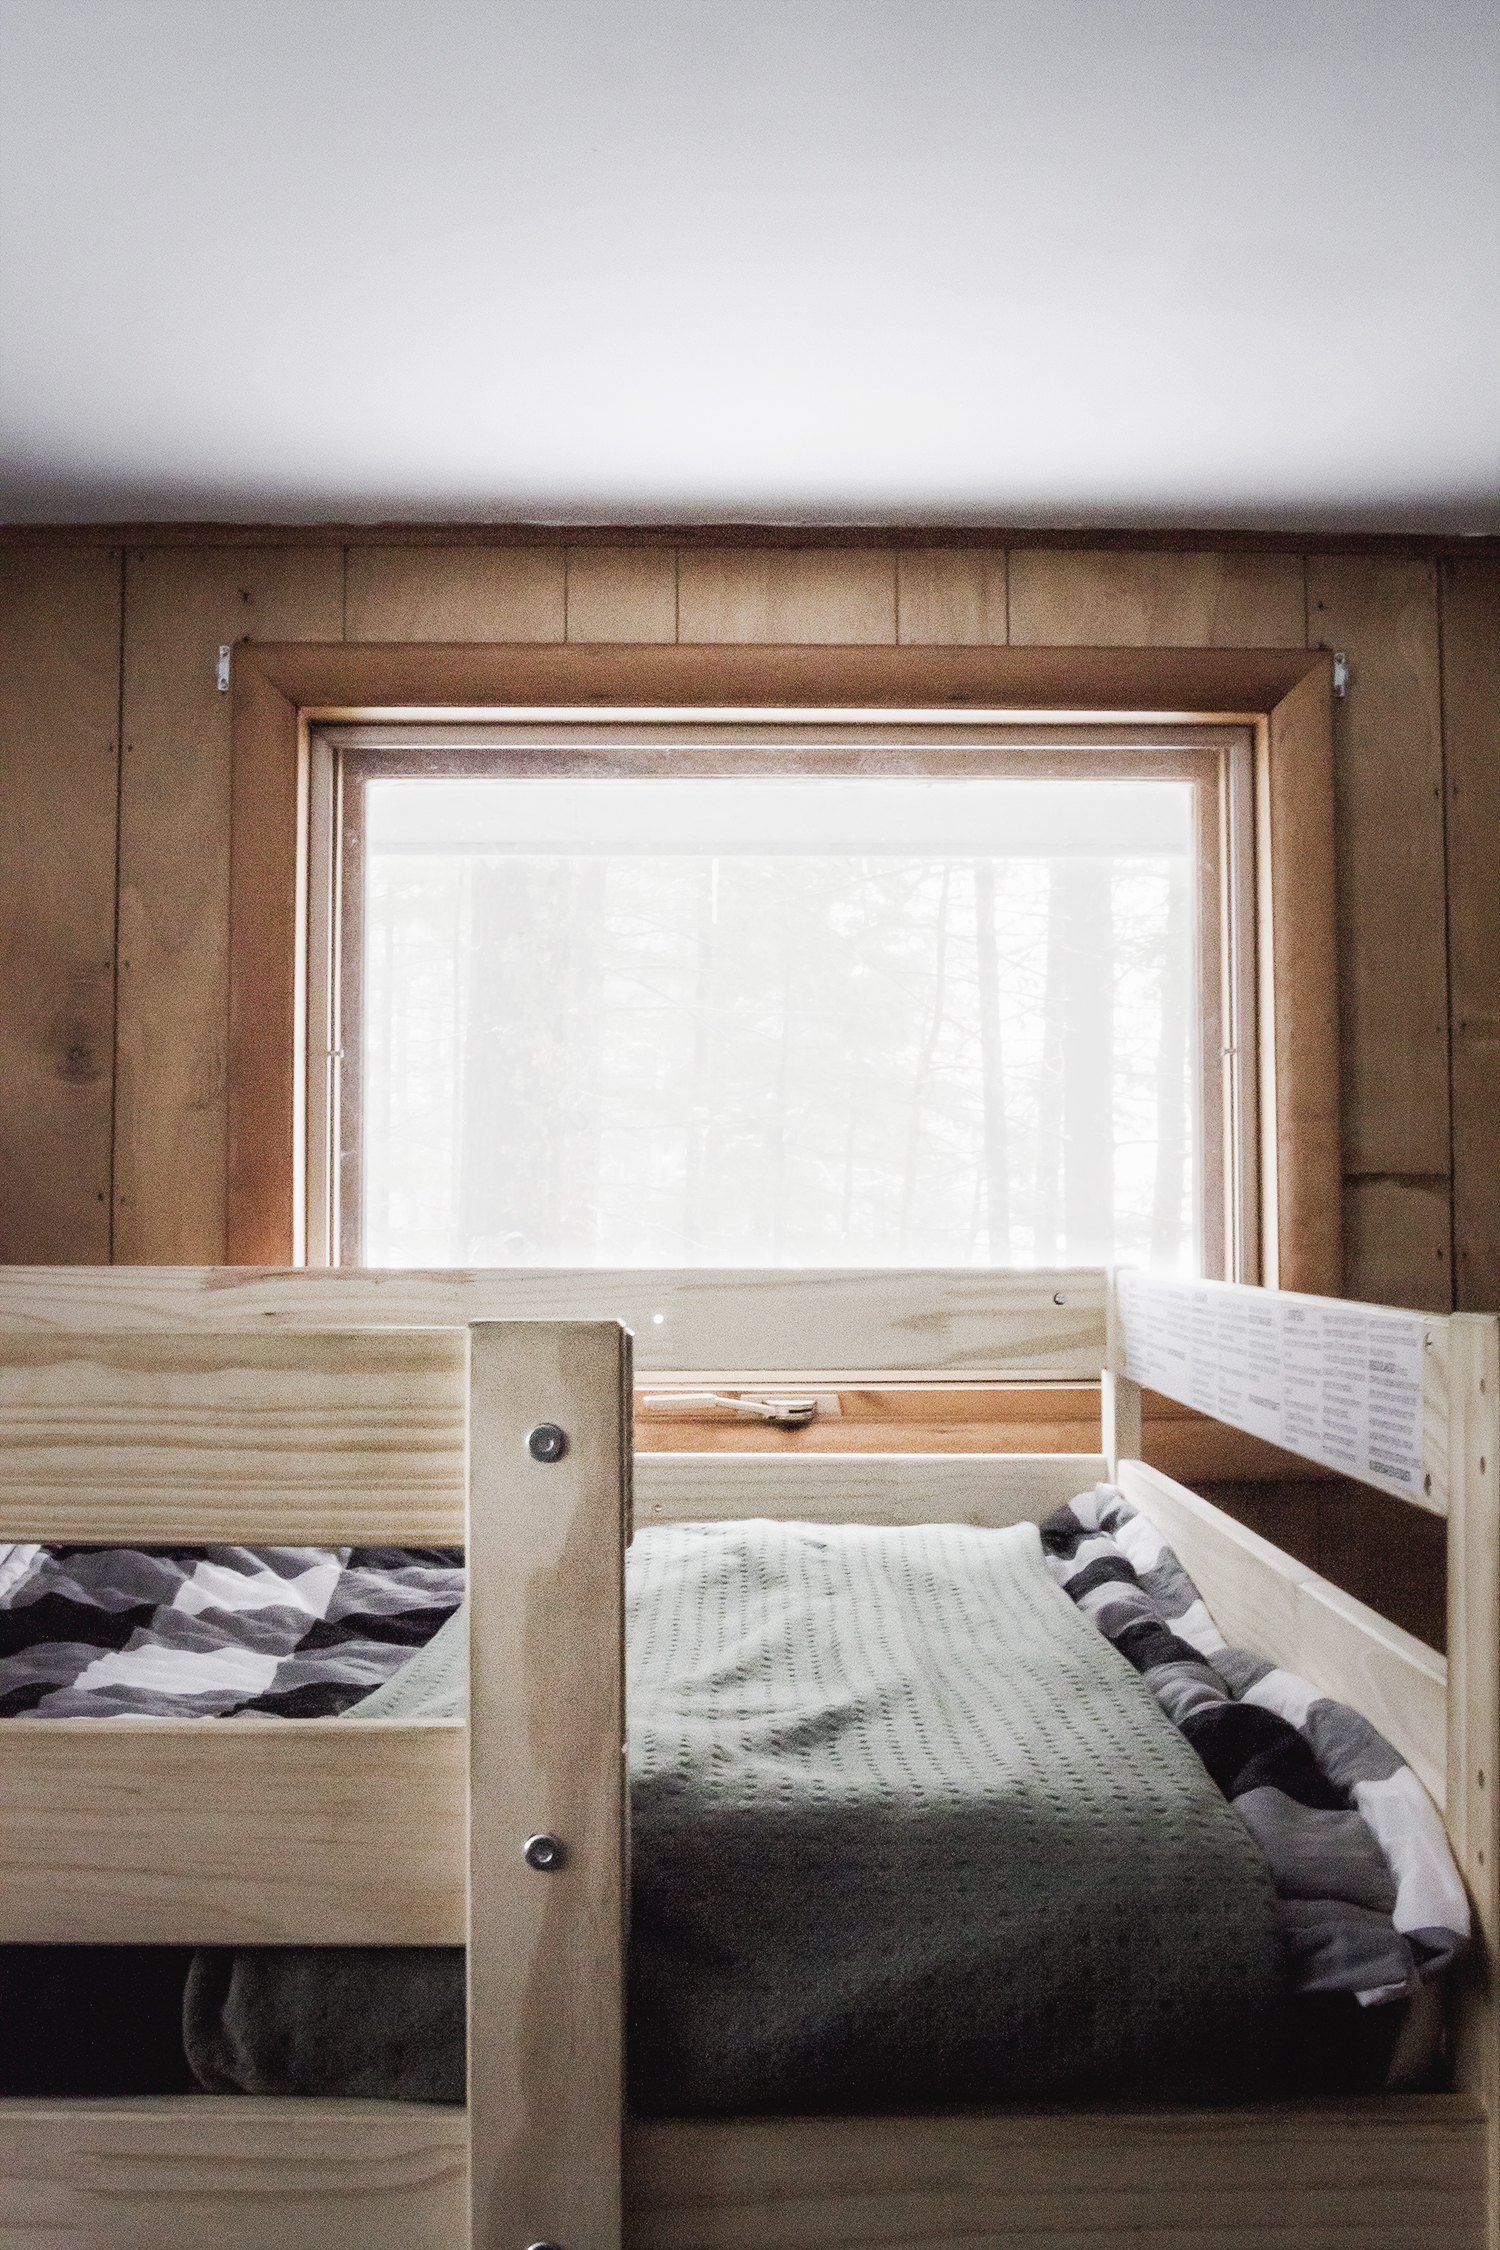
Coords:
114,849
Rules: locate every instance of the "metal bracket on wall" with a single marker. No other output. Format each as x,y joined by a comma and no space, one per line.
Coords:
1340,671
221,675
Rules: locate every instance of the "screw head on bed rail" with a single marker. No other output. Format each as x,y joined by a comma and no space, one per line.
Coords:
547,1442
545,1853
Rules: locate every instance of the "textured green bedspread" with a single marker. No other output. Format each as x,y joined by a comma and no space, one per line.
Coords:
906,1828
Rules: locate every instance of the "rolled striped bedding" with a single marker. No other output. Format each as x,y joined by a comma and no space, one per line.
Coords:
1369,1900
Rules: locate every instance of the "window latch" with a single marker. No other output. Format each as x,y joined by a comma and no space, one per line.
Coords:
781,1413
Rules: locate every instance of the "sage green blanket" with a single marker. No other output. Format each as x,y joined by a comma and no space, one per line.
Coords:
907,1829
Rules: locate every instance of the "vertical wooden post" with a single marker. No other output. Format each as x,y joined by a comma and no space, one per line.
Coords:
1120,1420
1474,1701
546,1532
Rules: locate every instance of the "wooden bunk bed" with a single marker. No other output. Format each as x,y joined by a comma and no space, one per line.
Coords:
248,1405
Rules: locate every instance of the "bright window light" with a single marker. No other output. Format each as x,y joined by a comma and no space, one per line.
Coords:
772,1021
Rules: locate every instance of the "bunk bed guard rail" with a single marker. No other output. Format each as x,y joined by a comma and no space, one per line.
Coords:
510,1437
208,1406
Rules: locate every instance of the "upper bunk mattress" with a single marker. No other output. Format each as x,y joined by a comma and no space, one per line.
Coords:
906,1828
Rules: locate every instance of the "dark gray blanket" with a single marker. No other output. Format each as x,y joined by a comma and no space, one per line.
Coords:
382,2021
907,1830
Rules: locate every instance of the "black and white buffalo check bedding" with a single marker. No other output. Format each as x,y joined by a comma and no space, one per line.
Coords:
205,1632
1368,1899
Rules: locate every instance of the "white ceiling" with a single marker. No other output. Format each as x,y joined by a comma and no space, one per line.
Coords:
1206,262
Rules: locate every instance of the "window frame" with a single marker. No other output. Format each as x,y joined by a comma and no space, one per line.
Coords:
281,691
1216,761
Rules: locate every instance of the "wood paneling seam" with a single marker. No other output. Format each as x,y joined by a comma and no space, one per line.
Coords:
114,1026
1442,692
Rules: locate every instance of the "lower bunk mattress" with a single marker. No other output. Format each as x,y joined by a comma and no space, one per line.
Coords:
919,1817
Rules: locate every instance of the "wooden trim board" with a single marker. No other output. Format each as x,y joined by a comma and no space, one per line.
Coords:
1403,2172
404,678
936,1417
1215,762
276,686
1301,1239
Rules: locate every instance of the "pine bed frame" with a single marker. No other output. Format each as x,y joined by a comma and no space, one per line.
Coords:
341,1407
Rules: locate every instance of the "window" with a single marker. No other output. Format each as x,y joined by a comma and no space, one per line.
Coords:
653,990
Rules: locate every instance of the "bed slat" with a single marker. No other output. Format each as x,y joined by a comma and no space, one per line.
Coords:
1400,2173
331,1438
1392,2174
1262,1600
232,1832
233,2173
987,1489
975,1321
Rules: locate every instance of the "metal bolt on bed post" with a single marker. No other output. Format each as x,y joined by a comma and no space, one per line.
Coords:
547,1442
545,1853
